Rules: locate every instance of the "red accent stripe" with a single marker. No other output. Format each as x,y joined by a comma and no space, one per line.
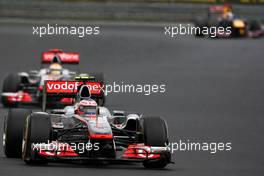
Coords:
101,136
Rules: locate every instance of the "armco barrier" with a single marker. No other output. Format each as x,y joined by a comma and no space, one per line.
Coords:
118,11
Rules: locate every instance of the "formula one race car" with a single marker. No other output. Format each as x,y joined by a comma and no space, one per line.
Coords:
85,132
221,16
26,87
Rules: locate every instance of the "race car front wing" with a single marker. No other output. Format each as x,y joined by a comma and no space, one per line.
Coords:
134,153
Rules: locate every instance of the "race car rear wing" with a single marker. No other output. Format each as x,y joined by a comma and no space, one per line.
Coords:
68,89
64,57
216,9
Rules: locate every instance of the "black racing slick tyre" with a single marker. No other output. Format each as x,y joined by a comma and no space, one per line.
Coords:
155,134
254,25
11,84
155,131
13,132
199,24
101,101
37,130
99,77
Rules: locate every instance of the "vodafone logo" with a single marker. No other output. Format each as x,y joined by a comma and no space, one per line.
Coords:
65,57
64,87
70,87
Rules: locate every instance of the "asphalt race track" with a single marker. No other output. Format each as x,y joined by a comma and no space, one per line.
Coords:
214,93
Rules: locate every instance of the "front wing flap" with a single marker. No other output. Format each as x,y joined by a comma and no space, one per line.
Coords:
134,153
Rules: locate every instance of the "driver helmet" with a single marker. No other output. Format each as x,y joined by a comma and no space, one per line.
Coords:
227,8
87,107
55,69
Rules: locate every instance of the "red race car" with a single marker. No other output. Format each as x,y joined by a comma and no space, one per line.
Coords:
26,87
84,132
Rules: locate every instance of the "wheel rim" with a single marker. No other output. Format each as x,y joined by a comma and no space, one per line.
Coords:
4,139
25,141
4,134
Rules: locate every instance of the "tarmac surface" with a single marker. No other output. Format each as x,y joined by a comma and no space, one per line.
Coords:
214,93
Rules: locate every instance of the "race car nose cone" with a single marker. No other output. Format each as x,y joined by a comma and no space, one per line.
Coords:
84,92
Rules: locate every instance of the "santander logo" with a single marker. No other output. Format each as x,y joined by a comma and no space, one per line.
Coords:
70,87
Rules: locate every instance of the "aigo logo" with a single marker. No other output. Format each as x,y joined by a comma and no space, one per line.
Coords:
71,87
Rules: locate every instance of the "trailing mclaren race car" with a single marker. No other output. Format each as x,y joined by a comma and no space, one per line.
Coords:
85,132
26,87
225,24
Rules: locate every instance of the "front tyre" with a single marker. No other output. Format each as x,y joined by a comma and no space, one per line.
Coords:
37,130
13,132
155,134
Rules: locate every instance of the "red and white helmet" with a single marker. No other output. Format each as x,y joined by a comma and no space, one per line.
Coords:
87,107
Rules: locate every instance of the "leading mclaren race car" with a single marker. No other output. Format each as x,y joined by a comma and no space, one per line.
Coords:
85,132
226,24
26,87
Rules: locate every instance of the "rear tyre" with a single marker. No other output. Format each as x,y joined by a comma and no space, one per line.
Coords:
11,84
13,132
101,101
37,130
155,134
99,77
254,25
199,23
